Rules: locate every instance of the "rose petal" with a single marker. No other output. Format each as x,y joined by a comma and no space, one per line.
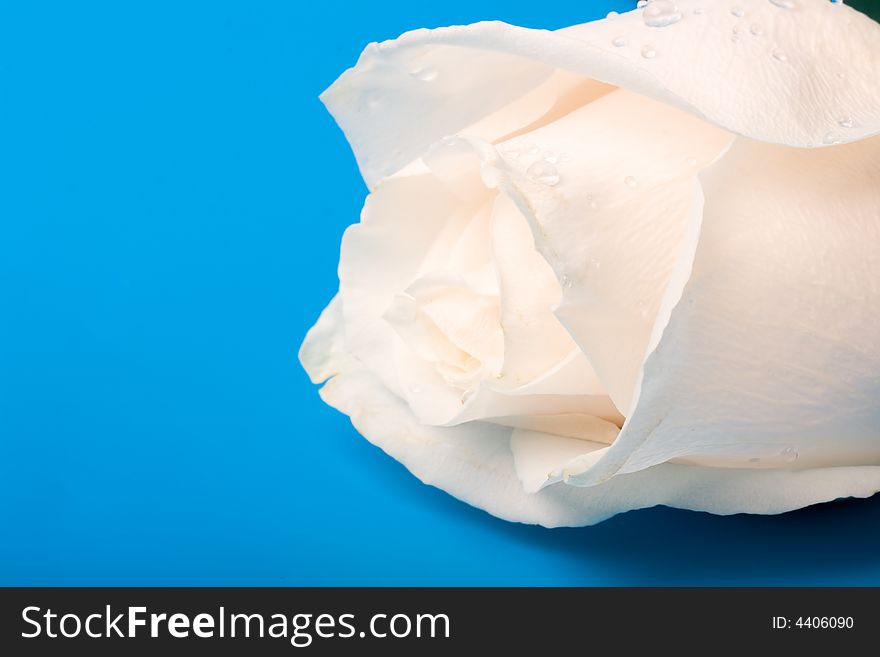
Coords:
474,463
388,287
808,77
771,357
614,224
539,458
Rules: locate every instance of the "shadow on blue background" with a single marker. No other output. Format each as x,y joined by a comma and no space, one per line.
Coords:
172,197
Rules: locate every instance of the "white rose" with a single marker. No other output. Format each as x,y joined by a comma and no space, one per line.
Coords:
602,268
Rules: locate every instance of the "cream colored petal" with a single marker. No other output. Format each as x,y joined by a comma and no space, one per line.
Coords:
539,458
474,463
772,357
797,77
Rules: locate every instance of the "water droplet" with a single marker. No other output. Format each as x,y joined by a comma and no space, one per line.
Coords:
734,38
738,12
426,74
611,15
831,138
692,161
785,4
845,122
661,13
618,42
737,29
756,29
779,55
641,4
630,182
789,455
699,10
648,52
543,172
565,281
372,99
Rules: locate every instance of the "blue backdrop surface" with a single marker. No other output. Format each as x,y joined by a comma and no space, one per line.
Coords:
172,197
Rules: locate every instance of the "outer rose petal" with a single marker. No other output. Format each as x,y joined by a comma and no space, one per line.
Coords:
474,462
772,357
809,77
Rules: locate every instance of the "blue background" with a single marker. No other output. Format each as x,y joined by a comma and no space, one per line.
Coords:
172,196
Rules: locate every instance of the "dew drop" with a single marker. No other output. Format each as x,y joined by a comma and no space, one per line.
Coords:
630,182
845,122
785,4
661,13
543,172
648,52
738,12
779,55
789,455
734,38
372,99
618,42
756,29
641,4
565,281
426,74
611,15
737,29
831,138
